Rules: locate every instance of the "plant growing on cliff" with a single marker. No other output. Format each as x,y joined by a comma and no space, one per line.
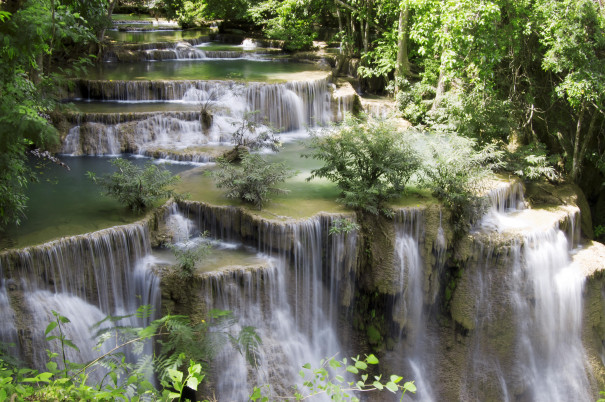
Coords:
189,254
137,188
455,170
343,225
253,180
369,160
250,135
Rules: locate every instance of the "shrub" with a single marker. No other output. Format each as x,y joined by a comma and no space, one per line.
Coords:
455,171
137,188
188,255
531,162
254,180
368,159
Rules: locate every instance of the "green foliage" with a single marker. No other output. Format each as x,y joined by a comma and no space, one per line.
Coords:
368,159
185,350
288,20
599,230
135,187
333,378
30,39
455,170
254,180
188,255
531,162
343,225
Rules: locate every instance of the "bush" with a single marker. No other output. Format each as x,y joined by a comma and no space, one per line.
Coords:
135,187
254,180
531,162
188,255
455,171
369,161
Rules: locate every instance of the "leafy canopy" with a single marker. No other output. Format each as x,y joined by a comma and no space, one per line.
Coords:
135,187
369,160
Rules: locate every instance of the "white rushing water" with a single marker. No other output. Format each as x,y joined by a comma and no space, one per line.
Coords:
288,108
292,300
544,289
549,310
408,309
83,278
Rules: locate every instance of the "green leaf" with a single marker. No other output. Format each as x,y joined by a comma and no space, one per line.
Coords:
193,382
175,375
372,359
307,366
352,369
361,365
335,363
409,386
378,385
395,378
51,325
72,345
391,386
339,378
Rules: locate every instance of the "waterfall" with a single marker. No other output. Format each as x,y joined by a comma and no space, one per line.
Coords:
527,307
249,44
285,107
294,301
84,278
548,303
408,310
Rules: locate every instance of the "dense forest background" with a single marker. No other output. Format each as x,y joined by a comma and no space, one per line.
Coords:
527,74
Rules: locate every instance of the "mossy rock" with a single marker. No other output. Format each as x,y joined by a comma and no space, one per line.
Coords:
374,336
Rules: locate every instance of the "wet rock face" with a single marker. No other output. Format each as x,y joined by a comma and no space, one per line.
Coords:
563,194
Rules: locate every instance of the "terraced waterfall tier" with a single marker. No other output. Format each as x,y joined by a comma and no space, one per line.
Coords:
221,106
84,277
301,294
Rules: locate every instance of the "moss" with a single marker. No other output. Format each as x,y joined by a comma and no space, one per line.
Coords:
373,335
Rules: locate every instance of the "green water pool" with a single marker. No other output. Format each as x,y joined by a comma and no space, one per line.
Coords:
66,203
152,36
206,69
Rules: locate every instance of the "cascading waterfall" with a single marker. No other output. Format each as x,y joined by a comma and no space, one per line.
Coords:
293,301
549,307
530,285
286,107
82,277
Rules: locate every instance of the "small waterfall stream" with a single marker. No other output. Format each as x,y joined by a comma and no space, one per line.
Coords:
409,311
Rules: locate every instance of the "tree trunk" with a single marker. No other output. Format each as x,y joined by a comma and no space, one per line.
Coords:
366,28
575,163
441,80
101,34
440,88
587,141
403,63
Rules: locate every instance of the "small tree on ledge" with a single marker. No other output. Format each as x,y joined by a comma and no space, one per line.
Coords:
368,159
254,180
135,187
